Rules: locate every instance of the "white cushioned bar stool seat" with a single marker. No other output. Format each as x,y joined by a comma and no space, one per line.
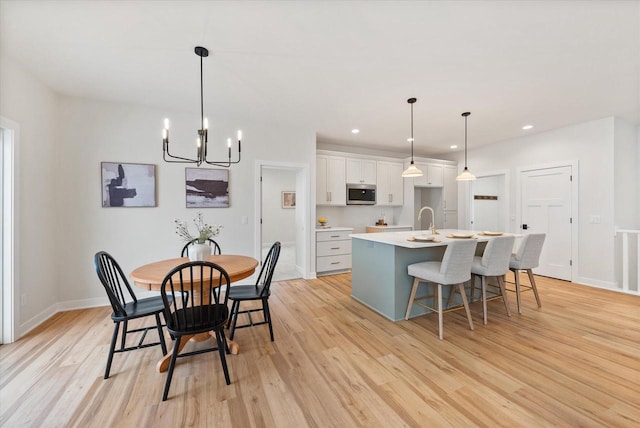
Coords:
494,262
454,269
526,258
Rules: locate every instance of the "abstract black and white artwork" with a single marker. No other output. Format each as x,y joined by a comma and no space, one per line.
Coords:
207,188
128,184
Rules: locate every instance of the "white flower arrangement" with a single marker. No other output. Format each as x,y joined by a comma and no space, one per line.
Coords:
205,231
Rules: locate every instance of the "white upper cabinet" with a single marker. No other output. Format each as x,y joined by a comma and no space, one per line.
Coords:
390,187
331,186
450,188
432,175
361,171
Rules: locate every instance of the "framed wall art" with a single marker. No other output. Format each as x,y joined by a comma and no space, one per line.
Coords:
288,199
128,184
207,188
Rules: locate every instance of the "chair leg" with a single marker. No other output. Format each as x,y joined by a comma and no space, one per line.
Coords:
533,287
503,290
517,281
163,345
483,280
123,338
439,297
112,347
472,287
414,288
267,315
221,351
452,291
234,315
172,364
466,304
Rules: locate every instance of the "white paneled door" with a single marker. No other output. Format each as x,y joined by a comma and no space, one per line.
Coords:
547,208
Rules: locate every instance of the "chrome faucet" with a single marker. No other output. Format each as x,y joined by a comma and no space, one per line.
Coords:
432,226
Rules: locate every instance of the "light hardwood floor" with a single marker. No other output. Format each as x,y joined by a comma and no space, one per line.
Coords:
335,363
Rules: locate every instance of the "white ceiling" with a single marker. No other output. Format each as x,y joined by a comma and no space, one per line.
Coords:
338,65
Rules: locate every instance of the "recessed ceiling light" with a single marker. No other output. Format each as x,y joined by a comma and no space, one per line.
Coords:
453,147
527,127
355,131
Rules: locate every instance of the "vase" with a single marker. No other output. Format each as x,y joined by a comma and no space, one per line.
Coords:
199,252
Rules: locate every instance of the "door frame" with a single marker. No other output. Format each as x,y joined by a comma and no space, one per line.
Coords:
303,202
575,220
9,221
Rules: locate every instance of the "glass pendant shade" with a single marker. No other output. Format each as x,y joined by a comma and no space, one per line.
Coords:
465,175
412,171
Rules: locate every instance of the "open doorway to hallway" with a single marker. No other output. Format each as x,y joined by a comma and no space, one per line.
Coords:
282,218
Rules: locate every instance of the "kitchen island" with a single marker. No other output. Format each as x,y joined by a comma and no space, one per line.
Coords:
379,277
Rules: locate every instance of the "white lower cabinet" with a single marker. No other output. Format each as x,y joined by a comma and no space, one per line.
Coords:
333,250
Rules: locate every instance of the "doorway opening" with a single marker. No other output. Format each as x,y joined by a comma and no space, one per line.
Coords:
489,202
283,216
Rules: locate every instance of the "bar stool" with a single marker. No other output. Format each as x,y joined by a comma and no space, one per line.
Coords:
526,258
455,268
493,262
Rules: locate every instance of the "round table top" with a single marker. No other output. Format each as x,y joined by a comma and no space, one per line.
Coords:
150,276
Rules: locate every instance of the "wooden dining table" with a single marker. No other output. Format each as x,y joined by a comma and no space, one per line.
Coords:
151,276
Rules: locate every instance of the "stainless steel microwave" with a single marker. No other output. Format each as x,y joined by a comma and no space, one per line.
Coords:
361,194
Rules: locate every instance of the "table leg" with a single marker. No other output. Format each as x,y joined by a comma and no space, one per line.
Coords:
163,364
234,348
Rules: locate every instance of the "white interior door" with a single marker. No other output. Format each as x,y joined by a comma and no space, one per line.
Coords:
547,208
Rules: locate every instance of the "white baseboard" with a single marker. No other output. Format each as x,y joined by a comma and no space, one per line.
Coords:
605,285
36,320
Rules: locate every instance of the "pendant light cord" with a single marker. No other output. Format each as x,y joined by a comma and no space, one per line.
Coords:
465,142
411,132
201,98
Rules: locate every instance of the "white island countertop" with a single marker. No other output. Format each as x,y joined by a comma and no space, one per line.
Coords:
401,239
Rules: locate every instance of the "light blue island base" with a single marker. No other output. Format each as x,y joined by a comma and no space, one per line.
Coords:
379,277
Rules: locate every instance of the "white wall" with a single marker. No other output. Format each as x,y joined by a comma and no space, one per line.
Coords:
592,145
93,131
33,106
278,224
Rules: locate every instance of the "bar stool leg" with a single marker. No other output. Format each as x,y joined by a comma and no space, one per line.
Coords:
533,287
484,299
466,305
517,281
439,297
416,281
503,290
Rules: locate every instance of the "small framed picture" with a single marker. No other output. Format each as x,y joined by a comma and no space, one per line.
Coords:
128,184
207,188
288,199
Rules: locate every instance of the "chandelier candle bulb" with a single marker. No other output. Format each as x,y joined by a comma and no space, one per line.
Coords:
166,124
206,123
239,135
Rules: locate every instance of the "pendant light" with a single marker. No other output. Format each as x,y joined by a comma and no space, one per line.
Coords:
412,170
203,133
465,175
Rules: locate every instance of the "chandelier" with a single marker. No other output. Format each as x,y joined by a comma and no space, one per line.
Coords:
203,133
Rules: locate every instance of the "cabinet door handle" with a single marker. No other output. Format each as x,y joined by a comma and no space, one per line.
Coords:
335,248
335,236
329,196
390,197
335,263
445,204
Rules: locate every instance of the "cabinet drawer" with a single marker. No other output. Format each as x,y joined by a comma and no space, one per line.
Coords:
333,248
333,236
333,263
